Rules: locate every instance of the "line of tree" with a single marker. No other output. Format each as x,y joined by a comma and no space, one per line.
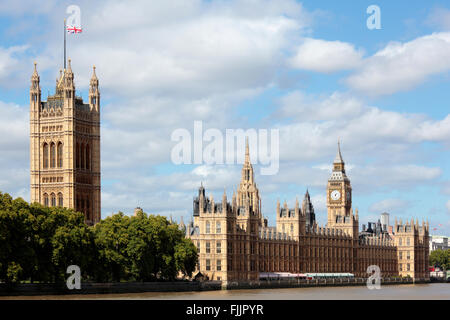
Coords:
38,243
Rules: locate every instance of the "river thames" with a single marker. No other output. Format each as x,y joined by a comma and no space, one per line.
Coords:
432,291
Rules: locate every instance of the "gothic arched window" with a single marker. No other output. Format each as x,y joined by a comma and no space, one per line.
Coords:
52,155
88,209
82,209
53,197
88,157
45,155
60,200
45,199
77,156
60,154
208,227
83,159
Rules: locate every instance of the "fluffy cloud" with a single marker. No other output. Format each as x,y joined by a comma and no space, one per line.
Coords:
388,205
11,66
197,50
326,56
14,146
402,66
314,124
305,107
440,18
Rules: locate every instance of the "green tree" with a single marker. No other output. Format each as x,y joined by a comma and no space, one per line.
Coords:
186,256
111,239
73,243
440,258
17,259
38,243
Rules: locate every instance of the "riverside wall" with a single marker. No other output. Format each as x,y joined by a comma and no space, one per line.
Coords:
29,289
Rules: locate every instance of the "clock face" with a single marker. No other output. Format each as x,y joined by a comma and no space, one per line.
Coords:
335,195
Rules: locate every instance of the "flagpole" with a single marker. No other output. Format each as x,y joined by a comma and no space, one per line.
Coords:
64,44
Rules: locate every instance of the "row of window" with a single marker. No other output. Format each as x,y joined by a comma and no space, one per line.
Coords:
83,156
218,265
218,227
400,255
52,155
400,241
401,268
51,200
84,205
208,247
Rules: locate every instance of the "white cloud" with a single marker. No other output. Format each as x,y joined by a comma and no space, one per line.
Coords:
316,123
388,205
181,49
440,18
403,66
326,56
309,107
11,66
14,146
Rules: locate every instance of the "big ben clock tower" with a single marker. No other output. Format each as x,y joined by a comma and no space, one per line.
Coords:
339,193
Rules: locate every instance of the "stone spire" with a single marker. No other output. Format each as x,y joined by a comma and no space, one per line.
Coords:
224,197
247,168
69,86
247,151
35,95
94,94
69,66
35,75
338,158
35,79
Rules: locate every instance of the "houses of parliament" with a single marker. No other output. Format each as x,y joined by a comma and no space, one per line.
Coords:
235,242
233,239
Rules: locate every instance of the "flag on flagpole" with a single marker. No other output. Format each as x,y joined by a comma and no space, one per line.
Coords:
73,29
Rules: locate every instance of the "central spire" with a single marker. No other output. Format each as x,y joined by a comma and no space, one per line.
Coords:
247,168
247,151
338,158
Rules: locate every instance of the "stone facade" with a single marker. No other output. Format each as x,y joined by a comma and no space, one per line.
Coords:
235,242
65,146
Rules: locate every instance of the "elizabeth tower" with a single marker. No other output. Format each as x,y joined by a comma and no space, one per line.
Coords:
65,146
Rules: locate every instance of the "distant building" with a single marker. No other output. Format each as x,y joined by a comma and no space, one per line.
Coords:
385,221
438,242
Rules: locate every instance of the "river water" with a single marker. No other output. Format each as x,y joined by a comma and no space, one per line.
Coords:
431,291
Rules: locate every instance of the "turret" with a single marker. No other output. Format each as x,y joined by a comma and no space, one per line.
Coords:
69,85
224,202
35,91
94,93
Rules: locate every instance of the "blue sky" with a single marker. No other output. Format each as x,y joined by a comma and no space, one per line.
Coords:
311,69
